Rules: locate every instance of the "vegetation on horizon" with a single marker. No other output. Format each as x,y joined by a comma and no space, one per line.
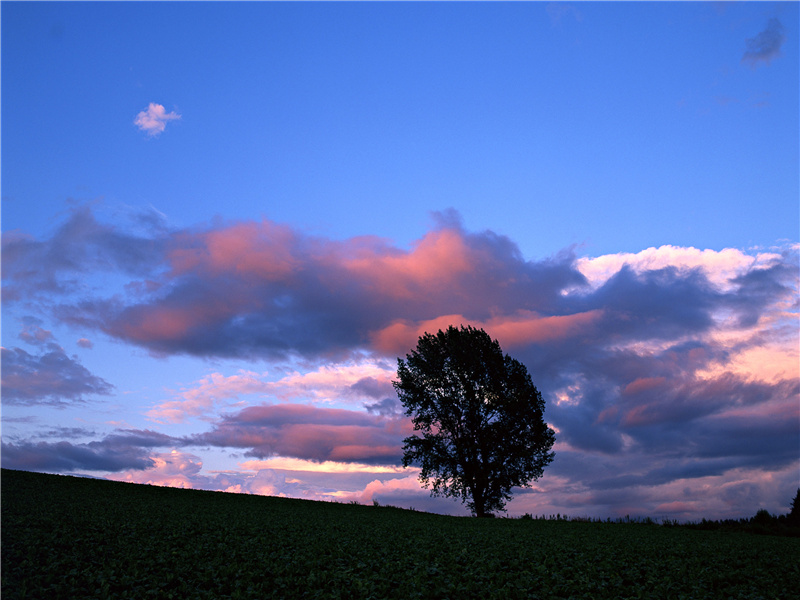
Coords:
70,537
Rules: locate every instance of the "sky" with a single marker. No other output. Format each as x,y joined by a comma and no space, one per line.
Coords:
223,223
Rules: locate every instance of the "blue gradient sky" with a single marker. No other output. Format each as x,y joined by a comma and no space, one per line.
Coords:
344,159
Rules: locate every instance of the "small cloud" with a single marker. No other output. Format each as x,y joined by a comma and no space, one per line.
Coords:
388,407
33,334
154,120
85,343
766,45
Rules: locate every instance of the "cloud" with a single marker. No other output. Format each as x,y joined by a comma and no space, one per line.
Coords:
352,382
80,248
48,378
125,449
664,368
153,120
276,292
172,469
207,395
309,433
719,267
33,334
766,45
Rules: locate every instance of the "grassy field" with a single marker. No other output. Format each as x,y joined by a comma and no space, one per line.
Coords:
71,538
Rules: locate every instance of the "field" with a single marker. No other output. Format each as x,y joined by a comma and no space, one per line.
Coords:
71,538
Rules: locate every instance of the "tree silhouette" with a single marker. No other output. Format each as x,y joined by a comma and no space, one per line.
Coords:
479,418
794,513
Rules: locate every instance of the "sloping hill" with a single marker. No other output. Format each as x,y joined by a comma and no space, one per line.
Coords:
70,537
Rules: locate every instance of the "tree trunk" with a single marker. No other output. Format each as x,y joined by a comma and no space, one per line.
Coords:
478,502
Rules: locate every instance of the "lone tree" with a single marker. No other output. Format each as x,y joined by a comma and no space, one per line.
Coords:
479,416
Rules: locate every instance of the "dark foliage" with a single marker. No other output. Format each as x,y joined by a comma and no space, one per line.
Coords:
794,514
72,538
479,418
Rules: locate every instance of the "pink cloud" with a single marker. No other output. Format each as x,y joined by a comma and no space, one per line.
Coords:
306,432
376,489
205,397
153,120
439,259
358,381
262,250
515,330
169,469
644,384
355,382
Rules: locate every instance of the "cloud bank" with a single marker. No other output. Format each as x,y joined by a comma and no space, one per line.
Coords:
666,373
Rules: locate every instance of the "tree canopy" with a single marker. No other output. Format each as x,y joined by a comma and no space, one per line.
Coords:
479,418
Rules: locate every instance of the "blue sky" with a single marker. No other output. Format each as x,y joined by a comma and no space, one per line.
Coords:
378,169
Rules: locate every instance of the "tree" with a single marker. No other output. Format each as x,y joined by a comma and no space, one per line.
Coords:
479,418
794,513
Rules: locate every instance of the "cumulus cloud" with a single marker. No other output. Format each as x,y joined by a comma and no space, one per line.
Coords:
153,120
650,362
48,378
285,293
765,46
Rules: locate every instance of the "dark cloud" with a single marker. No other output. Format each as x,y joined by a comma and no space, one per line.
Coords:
306,432
68,433
122,450
65,457
387,407
259,289
79,246
766,45
48,378
371,387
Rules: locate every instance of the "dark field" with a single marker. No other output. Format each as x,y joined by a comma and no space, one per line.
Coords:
69,537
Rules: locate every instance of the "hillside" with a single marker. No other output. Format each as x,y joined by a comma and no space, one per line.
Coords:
70,537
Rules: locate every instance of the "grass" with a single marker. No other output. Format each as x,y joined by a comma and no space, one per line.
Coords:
72,538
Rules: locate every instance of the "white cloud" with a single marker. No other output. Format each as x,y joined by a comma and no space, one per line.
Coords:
719,266
154,120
